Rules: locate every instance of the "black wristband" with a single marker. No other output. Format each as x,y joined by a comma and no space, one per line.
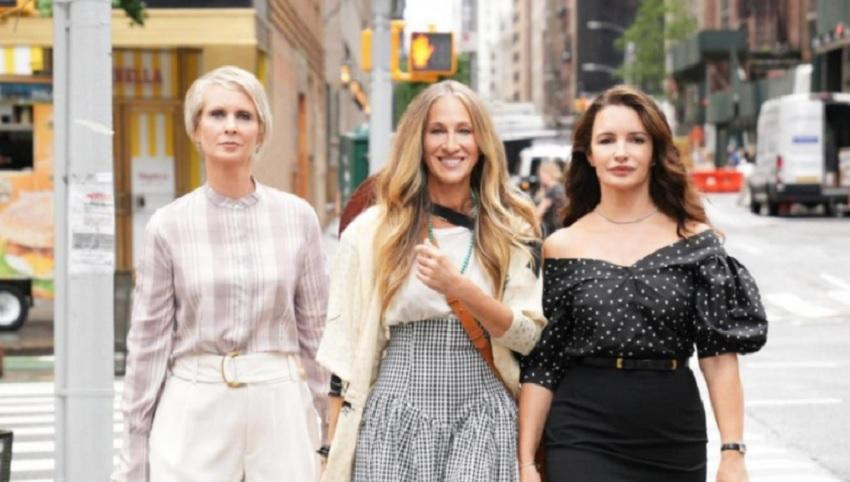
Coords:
336,386
324,450
736,446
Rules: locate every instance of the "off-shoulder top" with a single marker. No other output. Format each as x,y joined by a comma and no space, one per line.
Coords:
689,293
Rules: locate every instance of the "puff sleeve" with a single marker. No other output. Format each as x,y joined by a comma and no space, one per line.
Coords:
547,363
730,317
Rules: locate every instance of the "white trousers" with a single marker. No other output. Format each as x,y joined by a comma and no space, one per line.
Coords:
207,431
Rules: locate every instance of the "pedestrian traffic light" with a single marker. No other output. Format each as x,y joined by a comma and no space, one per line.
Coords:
432,53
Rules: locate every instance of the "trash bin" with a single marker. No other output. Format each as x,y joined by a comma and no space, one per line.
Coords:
5,455
353,161
123,302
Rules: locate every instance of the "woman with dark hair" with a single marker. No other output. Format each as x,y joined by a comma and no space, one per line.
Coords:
635,280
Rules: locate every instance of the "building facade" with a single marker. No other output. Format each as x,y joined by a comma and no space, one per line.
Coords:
581,59
746,52
347,84
153,66
828,24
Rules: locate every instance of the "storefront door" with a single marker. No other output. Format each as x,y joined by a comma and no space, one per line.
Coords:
146,172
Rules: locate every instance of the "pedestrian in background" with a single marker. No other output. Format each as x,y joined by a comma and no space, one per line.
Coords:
635,281
421,403
229,306
550,197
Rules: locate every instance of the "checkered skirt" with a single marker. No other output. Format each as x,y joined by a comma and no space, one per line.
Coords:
436,412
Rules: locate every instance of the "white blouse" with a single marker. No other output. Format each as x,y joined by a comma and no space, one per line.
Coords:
415,301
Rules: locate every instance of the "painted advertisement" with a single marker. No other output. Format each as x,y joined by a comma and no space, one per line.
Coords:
26,206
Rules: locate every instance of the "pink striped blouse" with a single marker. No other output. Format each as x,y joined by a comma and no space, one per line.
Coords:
216,275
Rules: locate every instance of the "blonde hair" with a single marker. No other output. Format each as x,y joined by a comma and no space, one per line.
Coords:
505,218
234,78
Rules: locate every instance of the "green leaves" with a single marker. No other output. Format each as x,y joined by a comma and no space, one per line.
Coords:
658,25
135,9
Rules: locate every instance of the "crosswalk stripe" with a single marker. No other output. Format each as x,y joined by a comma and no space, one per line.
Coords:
841,296
796,305
836,281
34,447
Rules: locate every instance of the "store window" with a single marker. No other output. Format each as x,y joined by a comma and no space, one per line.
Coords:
16,140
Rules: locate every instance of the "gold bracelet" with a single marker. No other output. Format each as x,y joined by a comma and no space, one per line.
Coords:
527,464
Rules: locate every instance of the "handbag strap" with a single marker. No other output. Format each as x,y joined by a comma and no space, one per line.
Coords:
476,335
478,338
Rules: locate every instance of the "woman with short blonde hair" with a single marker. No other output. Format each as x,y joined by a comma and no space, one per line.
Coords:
421,402
231,289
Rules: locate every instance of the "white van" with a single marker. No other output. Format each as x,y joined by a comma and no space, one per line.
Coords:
800,137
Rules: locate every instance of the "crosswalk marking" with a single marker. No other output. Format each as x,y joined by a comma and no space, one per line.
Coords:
28,409
841,296
33,449
796,305
838,282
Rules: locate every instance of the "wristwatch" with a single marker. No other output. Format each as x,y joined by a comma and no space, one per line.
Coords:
736,446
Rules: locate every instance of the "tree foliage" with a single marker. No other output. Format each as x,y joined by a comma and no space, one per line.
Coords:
658,25
135,9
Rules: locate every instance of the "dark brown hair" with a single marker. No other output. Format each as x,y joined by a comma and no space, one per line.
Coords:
670,187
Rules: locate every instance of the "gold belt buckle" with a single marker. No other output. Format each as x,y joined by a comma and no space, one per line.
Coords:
619,363
230,383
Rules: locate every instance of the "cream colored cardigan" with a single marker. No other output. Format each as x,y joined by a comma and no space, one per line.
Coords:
354,336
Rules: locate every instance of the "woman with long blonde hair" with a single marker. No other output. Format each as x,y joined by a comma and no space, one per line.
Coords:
421,402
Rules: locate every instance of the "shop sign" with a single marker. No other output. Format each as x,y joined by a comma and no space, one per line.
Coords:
26,92
129,75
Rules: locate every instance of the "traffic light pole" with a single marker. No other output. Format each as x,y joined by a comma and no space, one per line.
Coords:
85,239
381,118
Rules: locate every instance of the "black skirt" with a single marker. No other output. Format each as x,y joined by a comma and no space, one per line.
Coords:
611,425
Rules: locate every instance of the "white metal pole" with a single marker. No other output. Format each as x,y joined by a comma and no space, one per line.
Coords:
85,240
380,121
60,196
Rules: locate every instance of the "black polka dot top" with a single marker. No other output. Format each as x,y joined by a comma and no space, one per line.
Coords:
689,293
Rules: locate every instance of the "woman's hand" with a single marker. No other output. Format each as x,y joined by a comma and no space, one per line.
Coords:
732,468
435,270
529,473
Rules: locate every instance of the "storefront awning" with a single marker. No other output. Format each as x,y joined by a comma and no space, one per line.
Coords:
21,60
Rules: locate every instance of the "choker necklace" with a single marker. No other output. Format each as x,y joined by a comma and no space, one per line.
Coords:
628,221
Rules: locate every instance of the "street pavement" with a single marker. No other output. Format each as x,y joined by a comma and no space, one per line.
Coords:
796,390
